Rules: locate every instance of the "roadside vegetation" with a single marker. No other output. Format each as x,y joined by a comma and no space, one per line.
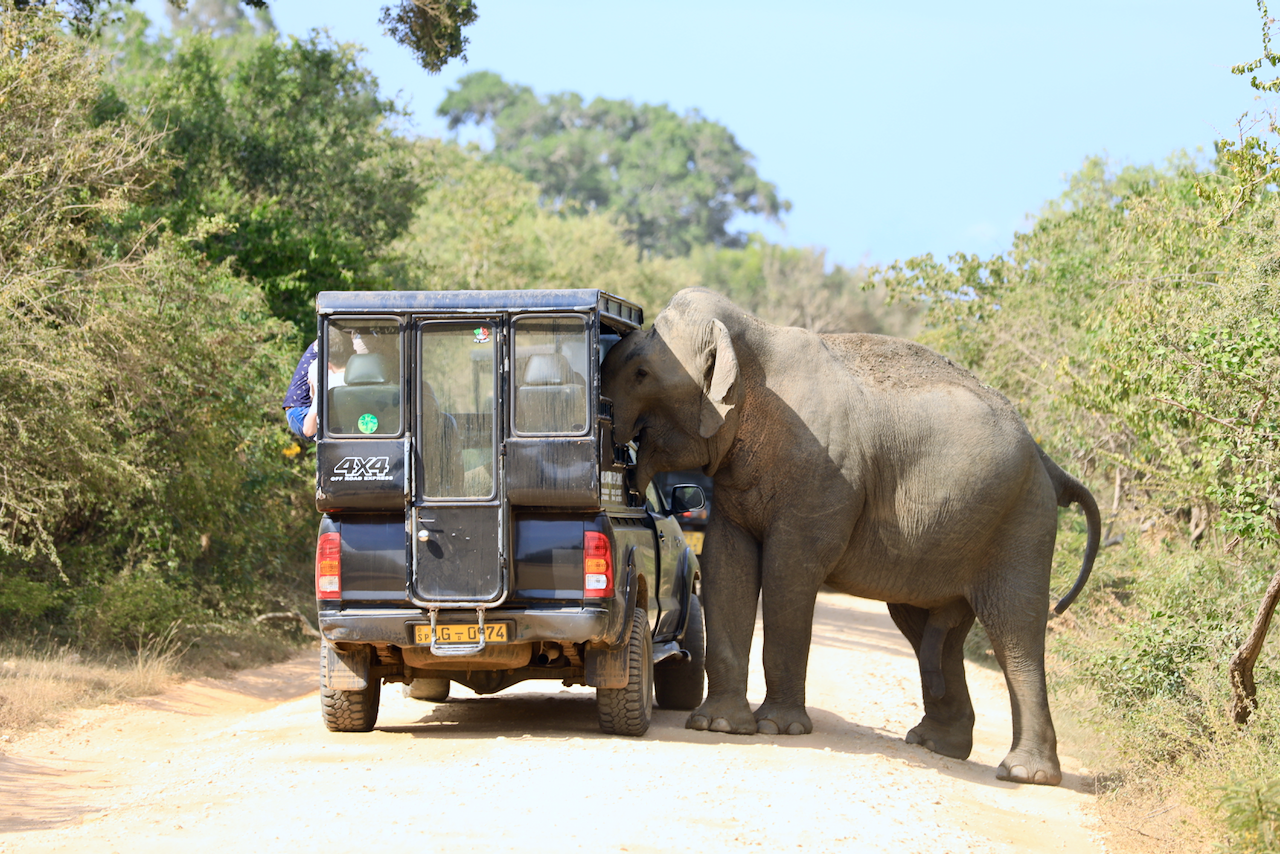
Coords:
171,202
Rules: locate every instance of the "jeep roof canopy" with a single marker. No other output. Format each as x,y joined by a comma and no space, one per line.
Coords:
614,308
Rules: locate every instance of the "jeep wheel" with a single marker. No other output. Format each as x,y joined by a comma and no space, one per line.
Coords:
678,684
431,690
626,711
348,711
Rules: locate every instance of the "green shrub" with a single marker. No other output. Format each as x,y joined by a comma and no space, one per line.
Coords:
24,602
1154,658
1252,812
138,607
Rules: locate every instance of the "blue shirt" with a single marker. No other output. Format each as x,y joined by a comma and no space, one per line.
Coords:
299,393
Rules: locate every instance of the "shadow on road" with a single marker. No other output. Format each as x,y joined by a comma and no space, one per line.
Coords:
572,715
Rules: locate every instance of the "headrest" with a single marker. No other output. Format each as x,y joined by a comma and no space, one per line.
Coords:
365,369
547,369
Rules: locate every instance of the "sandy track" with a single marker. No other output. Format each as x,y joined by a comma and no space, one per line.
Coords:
246,765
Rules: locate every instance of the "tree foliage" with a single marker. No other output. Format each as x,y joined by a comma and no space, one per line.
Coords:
431,29
288,142
675,180
138,378
792,286
480,227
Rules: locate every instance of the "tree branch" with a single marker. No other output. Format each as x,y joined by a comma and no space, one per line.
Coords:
1243,689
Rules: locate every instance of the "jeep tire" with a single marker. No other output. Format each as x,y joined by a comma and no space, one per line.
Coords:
628,710
348,711
431,690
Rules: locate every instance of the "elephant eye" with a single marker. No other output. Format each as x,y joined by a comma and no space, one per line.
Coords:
641,373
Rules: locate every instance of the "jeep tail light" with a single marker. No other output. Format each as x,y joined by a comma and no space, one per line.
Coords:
329,566
597,566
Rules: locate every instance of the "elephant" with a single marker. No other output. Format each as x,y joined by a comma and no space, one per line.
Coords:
872,465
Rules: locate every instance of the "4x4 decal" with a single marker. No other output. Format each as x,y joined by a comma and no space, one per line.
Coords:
362,469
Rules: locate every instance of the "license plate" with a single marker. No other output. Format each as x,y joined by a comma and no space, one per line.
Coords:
694,540
461,633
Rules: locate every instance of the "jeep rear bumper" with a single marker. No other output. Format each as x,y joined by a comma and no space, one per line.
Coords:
576,624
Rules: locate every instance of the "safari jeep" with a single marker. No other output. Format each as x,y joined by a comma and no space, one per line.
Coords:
480,525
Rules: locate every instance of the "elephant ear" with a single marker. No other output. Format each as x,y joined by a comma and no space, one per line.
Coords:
720,378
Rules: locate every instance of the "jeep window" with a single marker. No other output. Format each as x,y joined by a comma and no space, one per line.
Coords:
363,378
551,375
455,409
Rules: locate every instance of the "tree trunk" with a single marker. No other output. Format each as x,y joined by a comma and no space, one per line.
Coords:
1243,689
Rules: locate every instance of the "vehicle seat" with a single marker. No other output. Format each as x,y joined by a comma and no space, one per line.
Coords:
551,397
369,390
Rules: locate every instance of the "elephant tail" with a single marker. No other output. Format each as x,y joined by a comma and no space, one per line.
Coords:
1071,491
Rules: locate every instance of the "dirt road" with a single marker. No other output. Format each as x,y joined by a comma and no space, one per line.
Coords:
246,765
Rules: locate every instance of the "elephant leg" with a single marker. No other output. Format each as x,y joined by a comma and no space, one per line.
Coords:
787,604
947,726
1017,638
730,591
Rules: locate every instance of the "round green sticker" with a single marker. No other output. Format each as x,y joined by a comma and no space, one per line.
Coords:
368,422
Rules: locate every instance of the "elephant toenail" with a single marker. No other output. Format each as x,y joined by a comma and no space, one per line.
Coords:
720,725
1042,777
796,728
1018,772
766,727
697,722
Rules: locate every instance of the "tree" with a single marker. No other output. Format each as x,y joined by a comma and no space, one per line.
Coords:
139,383
288,142
675,180
431,29
792,287
480,227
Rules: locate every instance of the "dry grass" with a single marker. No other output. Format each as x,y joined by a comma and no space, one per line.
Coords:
38,685
41,681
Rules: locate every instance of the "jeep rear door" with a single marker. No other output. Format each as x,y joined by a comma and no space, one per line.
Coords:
458,519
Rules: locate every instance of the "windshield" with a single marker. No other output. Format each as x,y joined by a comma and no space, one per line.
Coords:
551,370
456,405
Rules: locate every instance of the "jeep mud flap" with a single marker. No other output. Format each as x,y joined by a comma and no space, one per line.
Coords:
345,669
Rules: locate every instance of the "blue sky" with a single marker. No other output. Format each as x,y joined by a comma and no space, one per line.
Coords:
894,128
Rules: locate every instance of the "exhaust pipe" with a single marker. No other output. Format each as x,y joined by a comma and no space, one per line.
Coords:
551,652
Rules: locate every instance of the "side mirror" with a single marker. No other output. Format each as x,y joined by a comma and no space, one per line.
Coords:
686,497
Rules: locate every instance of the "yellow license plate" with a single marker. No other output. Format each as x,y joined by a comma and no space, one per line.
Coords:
694,539
461,633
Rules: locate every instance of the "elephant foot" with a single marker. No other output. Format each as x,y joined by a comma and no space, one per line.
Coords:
733,717
1023,767
954,741
779,719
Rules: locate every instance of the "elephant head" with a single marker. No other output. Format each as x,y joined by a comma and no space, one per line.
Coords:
676,388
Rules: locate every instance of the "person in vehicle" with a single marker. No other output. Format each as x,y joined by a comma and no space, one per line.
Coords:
300,400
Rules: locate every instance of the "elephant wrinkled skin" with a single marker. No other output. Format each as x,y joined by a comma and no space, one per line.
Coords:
867,463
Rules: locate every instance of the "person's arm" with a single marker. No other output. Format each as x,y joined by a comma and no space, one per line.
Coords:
309,424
